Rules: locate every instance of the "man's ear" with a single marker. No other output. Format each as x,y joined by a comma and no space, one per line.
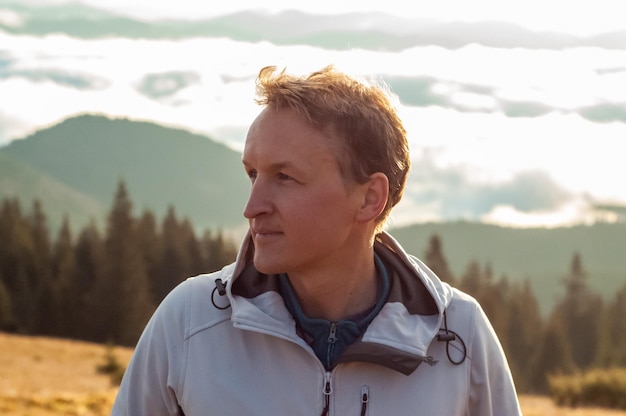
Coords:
375,194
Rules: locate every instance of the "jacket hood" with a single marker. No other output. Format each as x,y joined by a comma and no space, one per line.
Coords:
414,269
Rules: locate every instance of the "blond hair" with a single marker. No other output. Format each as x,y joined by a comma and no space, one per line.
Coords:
359,114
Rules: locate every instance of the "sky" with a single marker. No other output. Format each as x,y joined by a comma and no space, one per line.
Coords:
510,135
581,17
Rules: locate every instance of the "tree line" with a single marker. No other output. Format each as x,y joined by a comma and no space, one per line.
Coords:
103,286
99,286
581,332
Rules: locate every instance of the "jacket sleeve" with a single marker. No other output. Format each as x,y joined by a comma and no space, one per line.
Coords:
492,391
151,381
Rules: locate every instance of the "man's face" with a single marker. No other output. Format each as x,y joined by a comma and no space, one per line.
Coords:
302,214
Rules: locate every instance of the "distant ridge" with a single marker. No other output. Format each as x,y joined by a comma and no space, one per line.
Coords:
541,255
374,31
74,167
90,154
21,180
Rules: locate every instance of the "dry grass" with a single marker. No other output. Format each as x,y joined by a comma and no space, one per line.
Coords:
48,377
544,406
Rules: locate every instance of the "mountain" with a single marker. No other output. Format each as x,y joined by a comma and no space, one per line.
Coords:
541,255
372,30
81,160
74,167
19,179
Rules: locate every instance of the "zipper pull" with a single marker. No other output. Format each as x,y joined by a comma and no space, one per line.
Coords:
365,398
332,334
327,390
328,387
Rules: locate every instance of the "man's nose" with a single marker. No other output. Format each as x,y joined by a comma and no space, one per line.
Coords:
258,201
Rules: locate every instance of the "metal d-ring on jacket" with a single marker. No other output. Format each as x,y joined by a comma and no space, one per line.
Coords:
429,351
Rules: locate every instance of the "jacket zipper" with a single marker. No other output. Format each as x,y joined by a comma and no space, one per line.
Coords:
365,397
332,339
327,390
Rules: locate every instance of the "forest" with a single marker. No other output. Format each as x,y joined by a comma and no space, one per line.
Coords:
103,285
98,286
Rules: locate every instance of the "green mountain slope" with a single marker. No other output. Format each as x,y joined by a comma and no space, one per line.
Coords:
74,168
161,166
19,180
541,255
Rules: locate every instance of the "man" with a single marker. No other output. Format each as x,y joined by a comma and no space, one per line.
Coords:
323,313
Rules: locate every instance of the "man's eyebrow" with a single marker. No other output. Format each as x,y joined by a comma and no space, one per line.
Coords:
274,165
282,165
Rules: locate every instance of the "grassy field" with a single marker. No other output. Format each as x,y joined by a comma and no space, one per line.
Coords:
46,376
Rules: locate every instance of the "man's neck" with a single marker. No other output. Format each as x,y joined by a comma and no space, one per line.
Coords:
337,293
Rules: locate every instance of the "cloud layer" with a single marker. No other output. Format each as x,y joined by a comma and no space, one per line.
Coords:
523,134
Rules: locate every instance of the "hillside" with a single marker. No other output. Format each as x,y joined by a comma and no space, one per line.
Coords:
161,166
540,254
74,168
18,179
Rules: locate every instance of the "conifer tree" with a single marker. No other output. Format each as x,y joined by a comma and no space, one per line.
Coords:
175,260
523,332
48,311
580,311
126,301
554,355
471,280
24,300
193,249
67,294
612,348
90,277
436,260
216,251
6,308
39,274
7,254
494,299
151,244
492,296
16,263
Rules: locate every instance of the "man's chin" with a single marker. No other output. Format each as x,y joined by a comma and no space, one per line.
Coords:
265,267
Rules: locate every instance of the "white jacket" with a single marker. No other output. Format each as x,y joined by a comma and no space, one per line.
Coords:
195,358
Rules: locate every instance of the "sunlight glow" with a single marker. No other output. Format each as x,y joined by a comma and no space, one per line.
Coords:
478,115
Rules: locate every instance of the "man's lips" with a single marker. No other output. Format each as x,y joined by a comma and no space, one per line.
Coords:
264,235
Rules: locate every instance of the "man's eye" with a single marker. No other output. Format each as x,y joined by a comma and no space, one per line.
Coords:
252,174
284,177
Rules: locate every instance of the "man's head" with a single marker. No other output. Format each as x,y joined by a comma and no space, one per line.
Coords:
369,135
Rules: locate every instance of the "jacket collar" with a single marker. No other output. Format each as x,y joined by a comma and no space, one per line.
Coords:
397,338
